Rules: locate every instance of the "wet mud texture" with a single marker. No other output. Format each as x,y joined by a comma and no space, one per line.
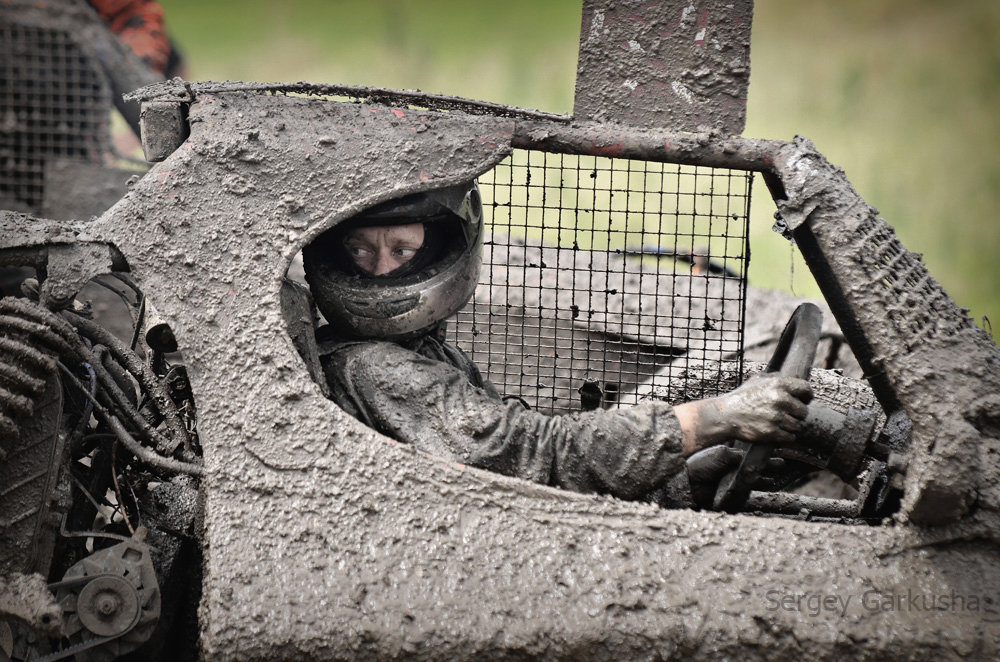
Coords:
924,352
677,64
326,541
26,598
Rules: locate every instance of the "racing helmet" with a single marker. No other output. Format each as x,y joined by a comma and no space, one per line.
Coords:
425,290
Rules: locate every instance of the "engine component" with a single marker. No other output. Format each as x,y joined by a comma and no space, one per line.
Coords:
110,602
31,339
31,448
108,606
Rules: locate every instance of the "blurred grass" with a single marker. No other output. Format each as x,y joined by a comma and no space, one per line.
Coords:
903,94
517,51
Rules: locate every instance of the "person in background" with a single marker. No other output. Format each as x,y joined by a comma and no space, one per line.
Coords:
139,24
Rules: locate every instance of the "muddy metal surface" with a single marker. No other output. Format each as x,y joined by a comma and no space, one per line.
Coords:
325,540
920,349
675,63
27,598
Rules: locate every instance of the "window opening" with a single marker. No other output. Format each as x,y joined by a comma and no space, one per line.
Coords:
610,272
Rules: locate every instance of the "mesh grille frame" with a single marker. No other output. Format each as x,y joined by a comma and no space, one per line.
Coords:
55,104
601,273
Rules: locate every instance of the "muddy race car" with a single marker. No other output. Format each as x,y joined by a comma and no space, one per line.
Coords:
174,483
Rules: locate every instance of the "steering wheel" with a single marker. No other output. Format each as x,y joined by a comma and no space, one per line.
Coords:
792,358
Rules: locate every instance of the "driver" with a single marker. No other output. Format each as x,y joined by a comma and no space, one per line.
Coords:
387,279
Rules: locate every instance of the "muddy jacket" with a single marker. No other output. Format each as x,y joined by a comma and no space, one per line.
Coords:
429,394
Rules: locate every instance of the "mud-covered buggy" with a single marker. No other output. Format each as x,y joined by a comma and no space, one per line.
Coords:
616,270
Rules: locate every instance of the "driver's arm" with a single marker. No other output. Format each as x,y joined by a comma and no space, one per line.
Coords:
767,409
430,404
627,453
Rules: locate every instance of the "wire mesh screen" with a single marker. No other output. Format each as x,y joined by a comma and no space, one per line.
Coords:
601,276
54,104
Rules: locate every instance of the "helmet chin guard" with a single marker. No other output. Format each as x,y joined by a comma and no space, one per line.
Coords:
391,307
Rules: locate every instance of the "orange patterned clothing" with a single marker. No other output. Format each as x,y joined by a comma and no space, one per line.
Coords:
139,24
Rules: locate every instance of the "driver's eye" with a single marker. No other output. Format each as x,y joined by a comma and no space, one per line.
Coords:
358,251
405,253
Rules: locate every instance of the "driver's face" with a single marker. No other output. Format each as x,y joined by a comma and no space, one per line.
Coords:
384,248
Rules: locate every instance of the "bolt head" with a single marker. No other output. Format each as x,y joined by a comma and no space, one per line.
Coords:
107,604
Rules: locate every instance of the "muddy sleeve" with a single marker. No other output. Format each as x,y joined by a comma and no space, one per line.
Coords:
628,453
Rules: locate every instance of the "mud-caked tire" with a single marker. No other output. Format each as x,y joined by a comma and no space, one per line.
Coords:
32,486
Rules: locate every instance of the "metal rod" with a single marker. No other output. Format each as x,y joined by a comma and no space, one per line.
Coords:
704,149
533,129
186,92
793,504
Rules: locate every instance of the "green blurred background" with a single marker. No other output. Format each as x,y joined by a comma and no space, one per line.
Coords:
902,94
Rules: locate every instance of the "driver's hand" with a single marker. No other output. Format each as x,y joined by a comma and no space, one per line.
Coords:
767,409
706,468
764,410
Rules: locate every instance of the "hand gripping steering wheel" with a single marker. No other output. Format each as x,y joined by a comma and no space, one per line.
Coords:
792,358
